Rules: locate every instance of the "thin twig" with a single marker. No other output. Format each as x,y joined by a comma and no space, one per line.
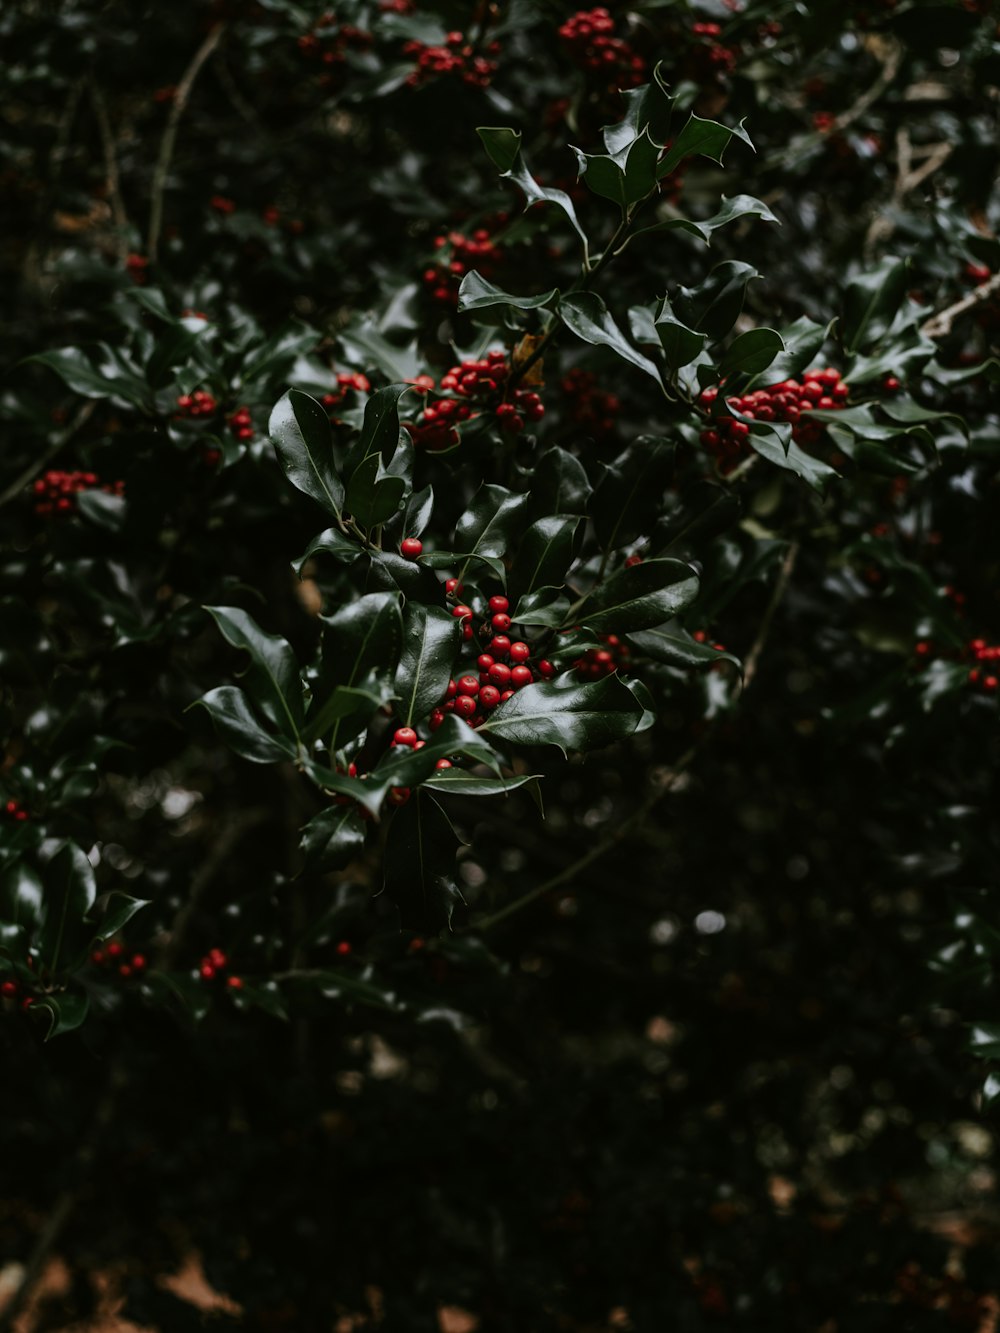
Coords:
111,174
777,595
620,831
939,325
170,136
56,158
17,486
908,178
891,62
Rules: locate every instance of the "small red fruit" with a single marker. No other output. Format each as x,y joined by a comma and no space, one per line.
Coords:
500,622
468,685
443,763
465,705
489,696
520,676
519,652
405,736
8,989
410,548
343,948
499,604
234,983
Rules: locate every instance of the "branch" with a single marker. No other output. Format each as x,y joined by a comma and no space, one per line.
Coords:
621,831
111,175
908,177
939,325
891,61
777,595
170,136
32,470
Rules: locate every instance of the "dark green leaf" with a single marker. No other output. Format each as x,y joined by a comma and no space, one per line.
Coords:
733,210
640,597
502,144
419,508
674,646
491,524
751,352
544,606
79,373
476,293
627,498
402,767
704,138
794,459
113,911
544,554
229,708
65,1011
332,542
332,838
420,865
585,314
680,344
272,677
301,435
20,895
871,301
107,511
380,432
373,496
559,484
431,639
714,306
69,893
456,782
572,717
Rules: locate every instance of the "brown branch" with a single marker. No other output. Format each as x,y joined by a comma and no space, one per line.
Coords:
891,61
939,325
17,486
777,595
170,136
111,175
908,177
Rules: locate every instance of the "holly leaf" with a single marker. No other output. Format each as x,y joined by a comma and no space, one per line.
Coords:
230,711
751,353
571,717
871,301
586,315
419,865
332,839
302,438
639,597
272,677
544,554
69,894
431,639
475,293
671,644
702,138
627,498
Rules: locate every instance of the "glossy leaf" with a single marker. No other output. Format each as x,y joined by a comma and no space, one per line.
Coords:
640,597
403,767
331,542
21,895
332,838
627,497
301,435
113,911
431,639
751,353
585,314
373,496
69,893
803,342
419,865
492,522
571,717
714,306
65,1011
560,484
671,644
504,148
229,708
475,293
871,301
544,606
702,138
272,677
544,554
734,209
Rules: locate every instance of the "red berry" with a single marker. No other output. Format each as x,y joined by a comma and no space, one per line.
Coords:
520,676
217,958
500,645
115,950
234,983
206,972
8,989
139,962
519,652
405,736
489,696
99,957
443,763
468,685
410,548
343,948
465,705
500,622
452,586
499,604
990,682
484,661
499,674
545,669
461,612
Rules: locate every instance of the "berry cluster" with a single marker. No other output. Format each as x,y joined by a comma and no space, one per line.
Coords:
710,57
485,383
347,381
977,274
589,38
499,672
241,424
213,967
54,490
726,438
457,56
592,409
464,253
328,42
16,811
115,956
598,662
136,266
980,651
194,405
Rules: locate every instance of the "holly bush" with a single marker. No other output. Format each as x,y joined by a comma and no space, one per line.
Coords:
500,663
